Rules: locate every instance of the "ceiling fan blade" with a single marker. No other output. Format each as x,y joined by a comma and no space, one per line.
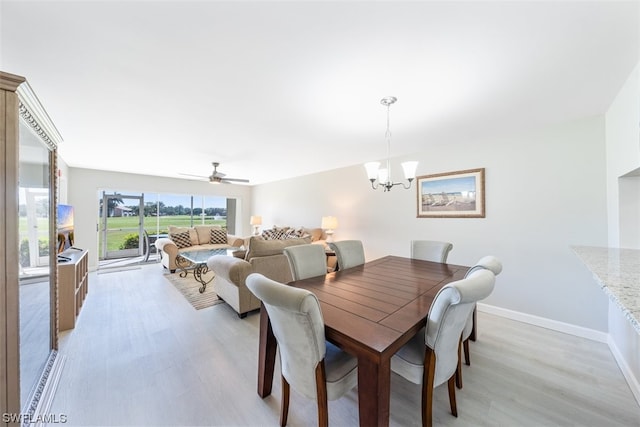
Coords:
197,176
217,177
235,179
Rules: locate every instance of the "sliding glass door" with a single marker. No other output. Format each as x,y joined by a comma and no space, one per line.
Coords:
131,223
122,226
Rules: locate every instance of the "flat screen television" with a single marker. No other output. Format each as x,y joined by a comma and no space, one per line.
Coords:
65,227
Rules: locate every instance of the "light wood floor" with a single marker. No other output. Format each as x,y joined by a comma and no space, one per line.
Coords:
141,355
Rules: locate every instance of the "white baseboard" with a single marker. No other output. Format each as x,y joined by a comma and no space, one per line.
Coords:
634,385
554,325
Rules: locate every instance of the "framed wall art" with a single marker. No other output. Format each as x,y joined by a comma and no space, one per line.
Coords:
457,194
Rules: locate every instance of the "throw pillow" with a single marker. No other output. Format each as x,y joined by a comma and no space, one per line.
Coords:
204,233
274,234
182,240
294,234
192,233
218,236
315,233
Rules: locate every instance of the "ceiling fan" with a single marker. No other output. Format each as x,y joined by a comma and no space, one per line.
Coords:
218,177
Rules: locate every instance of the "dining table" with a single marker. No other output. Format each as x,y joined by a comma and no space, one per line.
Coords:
369,311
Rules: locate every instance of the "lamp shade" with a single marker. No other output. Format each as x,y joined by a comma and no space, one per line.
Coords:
409,169
255,220
329,222
372,169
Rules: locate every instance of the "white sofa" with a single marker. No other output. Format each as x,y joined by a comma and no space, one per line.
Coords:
199,237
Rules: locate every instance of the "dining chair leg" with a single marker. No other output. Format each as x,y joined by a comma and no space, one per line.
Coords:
452,395
474,330
465,346
284,405
321,387
427,387
458,373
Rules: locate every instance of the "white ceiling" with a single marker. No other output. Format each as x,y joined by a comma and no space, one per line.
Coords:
281,89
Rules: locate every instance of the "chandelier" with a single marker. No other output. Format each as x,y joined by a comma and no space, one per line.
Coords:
383,176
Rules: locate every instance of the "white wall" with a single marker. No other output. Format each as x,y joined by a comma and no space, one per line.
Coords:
624,342
85,185
545,191
623,155
629,211
623,207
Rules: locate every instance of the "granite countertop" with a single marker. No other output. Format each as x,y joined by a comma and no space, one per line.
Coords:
618,273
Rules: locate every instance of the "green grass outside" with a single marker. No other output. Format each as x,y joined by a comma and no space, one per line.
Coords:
43,228
121,227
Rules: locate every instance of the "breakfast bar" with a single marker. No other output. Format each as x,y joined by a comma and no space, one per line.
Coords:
617,271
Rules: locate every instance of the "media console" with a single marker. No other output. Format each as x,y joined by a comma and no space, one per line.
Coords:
73,285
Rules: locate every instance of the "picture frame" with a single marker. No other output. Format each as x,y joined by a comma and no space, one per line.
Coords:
459,194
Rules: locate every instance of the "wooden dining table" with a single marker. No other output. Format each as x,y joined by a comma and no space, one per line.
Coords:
369,311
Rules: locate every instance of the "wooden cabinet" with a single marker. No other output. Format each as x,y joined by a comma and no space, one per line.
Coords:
73,285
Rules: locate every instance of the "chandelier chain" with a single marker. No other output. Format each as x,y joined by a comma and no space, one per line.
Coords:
388,136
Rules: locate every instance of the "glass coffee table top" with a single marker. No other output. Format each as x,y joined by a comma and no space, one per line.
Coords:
202,255
196,261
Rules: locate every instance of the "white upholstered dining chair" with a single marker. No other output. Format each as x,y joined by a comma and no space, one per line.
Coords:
431,357
306,261
430,250
313,367
350,253
494,265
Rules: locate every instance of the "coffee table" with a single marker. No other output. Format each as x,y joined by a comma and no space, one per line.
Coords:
196,261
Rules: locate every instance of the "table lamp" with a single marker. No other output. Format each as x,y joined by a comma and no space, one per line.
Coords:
329,224
256,221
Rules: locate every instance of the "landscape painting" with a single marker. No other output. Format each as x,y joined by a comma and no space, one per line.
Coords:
451,195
